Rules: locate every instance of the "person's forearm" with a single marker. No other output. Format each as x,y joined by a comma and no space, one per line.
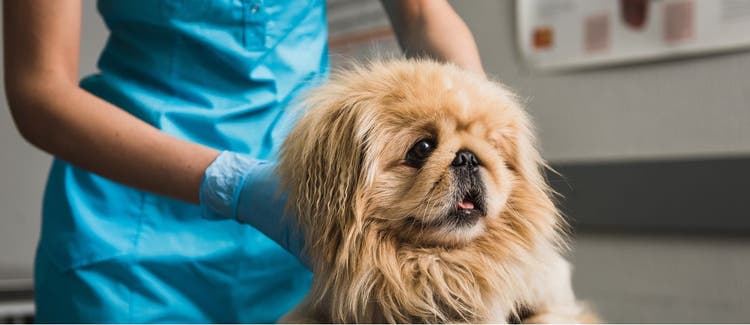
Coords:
70,123
432,28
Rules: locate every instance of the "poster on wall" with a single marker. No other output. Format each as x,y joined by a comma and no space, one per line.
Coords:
563,34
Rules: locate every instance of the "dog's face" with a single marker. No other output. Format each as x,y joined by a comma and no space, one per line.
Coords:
419,151
443,168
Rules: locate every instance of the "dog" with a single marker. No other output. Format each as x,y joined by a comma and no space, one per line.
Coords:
421,198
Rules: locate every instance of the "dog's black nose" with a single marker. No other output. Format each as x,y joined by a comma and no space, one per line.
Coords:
465,158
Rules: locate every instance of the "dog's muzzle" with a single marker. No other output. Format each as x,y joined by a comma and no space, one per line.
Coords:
469,192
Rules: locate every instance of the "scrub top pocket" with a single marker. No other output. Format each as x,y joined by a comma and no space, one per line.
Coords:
95,220
247,19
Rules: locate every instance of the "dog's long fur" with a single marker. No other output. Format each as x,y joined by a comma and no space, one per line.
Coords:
370,264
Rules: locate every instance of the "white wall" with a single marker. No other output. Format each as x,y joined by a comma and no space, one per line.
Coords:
23,170
686,108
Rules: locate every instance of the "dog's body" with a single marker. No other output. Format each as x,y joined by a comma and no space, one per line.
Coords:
422,199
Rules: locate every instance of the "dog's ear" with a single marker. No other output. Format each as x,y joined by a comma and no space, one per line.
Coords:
525,157
533,196
322,167
516,140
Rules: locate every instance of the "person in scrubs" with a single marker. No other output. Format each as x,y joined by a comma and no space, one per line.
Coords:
159,205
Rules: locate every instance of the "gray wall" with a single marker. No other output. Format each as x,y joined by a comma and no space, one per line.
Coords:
23,171
686,108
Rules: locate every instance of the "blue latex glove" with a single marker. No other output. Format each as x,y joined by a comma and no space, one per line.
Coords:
247,190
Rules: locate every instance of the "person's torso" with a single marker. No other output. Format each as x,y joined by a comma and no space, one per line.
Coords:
217,72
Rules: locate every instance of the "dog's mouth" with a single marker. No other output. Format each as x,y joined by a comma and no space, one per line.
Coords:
456,225
468,209
466,212
455,222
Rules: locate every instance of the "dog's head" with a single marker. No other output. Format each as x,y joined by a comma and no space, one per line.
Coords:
417,152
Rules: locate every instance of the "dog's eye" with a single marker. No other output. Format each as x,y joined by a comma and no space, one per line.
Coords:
419,152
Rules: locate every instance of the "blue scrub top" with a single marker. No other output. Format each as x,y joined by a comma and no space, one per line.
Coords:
217,72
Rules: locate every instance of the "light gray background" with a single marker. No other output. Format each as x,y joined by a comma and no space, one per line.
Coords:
686,108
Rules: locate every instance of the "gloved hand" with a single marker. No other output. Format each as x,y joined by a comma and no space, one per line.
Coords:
247,190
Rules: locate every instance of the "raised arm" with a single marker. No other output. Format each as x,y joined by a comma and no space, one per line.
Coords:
432,28
41,44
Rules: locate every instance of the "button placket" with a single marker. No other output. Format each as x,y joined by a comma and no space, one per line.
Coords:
255,24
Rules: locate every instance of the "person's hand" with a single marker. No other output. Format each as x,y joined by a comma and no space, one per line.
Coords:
245,189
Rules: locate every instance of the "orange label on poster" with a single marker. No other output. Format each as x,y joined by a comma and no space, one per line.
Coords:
543,37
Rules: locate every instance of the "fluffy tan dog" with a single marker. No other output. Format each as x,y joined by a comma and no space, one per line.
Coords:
422,199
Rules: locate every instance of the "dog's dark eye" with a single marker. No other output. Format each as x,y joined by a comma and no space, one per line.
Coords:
419,152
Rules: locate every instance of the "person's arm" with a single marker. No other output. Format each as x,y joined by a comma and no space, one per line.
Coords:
432,28
41,41
41,44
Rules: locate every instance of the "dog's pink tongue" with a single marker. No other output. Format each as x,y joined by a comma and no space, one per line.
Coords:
465,205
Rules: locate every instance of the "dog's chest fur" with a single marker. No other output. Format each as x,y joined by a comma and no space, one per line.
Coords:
434,287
